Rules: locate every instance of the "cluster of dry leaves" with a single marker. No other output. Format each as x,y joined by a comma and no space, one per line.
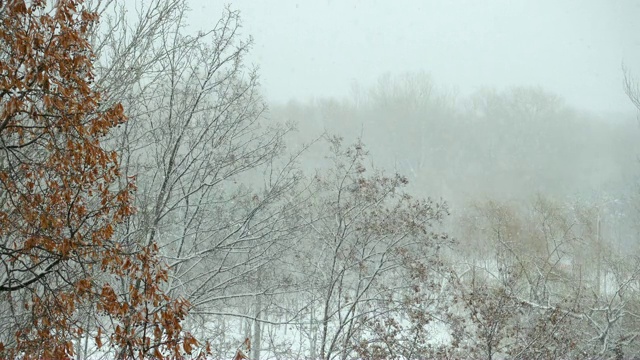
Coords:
62,194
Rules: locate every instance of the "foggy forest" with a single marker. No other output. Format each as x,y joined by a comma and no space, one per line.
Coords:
156,202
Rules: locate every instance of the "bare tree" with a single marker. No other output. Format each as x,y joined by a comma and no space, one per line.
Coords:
361,228
631,87
213,187
544,295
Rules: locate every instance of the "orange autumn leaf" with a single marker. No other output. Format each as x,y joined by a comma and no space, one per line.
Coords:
99,338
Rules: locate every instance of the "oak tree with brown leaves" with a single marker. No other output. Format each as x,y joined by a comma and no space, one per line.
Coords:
62,196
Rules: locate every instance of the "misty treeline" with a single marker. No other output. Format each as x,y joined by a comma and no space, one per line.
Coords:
403,221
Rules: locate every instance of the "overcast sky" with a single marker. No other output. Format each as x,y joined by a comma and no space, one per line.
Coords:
308,48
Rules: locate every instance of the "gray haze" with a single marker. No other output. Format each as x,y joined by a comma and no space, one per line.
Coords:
396,180
318,48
